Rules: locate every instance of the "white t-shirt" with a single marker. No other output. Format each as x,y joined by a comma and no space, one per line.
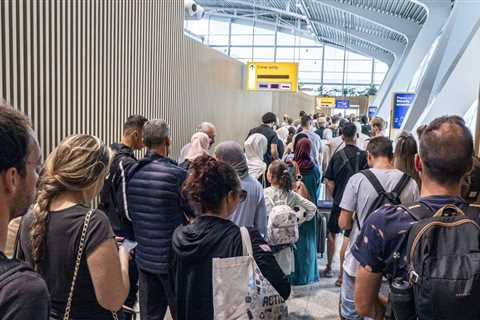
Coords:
359,196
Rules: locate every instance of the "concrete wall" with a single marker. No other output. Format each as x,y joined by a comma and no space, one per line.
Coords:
84,66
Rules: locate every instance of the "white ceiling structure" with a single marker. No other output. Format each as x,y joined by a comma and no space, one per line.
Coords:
380,29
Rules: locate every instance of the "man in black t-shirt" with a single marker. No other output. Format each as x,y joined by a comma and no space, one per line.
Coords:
266,129
344,164
23,293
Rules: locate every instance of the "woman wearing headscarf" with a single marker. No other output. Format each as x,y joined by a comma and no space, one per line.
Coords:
306,270
252,212
200,143
255,149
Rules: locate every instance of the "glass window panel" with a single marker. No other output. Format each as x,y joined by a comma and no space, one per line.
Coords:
199,27
333,53
284,39
310,65
358,78
308,76
241,52
218,40
263,53
333,77
285,60
311,53
378,78
333,66
260,31
285,53
218,27
242,29
355,56
309,42
380,66
264,40
359,66
242,39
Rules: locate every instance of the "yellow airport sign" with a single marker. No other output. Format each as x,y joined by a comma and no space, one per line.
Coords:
326,101
272,76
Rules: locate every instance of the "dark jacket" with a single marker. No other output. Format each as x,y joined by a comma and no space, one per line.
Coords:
157,208
195,245
113,200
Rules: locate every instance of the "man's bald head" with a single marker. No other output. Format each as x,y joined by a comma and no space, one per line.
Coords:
446,150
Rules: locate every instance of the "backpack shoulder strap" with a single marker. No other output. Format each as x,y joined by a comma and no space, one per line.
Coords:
346,162
372,178
402,184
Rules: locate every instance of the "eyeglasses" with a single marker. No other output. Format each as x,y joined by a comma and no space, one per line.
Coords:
242,195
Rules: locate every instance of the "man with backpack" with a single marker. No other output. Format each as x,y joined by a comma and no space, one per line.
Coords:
344,164
365,192
428,250
23,293
113,197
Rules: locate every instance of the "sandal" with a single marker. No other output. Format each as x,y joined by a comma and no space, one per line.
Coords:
327,273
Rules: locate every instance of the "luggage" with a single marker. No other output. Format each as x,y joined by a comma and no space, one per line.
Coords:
324,209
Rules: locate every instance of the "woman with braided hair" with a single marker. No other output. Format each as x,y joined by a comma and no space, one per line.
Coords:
69,244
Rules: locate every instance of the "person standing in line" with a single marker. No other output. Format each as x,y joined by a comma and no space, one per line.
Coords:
199,145
404,156
266,129
52,234
344,164
366,127
378,127
255,147
157,208
113,197
215,186
317,150
306,269
23,293
358,198
205,127
252,212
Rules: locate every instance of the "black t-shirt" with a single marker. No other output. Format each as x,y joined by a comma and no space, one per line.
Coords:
271,136
340,174
64,229
24,296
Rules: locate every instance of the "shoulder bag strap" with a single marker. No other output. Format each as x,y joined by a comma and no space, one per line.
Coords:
78,260
246,242
401,184
346,162
17,253
418,211
372,178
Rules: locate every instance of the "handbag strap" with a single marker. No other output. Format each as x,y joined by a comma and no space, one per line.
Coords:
246,242
78,260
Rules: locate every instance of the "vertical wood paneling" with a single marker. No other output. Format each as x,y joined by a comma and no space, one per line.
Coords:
77,66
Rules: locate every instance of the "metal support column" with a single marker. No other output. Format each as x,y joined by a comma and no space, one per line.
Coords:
276,40
229,36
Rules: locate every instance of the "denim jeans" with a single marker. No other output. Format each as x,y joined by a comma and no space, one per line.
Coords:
347,298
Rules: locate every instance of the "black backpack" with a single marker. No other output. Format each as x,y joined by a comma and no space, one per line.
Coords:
443,254
384,197
8,268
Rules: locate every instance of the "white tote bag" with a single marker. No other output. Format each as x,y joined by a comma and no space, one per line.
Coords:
240,291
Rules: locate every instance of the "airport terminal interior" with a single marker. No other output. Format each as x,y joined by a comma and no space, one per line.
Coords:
202,105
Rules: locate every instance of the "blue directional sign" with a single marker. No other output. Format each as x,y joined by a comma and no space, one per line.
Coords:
342,104
372,111
401,104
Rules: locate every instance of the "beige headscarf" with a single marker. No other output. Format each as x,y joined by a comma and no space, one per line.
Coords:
199,146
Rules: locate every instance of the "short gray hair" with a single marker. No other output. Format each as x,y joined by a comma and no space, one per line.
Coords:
205,126
155,132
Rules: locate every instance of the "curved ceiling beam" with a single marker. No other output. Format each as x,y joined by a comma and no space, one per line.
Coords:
408,28
268,8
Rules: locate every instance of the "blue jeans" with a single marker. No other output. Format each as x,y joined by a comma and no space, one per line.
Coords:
347,298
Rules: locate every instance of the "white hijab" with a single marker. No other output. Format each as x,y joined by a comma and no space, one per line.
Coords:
255,149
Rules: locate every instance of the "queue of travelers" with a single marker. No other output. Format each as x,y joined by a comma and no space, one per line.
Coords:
233,231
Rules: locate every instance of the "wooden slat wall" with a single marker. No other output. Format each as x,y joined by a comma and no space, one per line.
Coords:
83,66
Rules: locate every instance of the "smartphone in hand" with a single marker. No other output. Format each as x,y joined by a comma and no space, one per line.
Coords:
129,245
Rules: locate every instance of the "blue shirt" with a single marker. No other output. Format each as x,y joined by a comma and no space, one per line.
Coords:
381,246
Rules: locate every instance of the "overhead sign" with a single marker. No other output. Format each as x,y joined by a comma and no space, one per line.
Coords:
326,101
272,76
372,111
342,104
401,104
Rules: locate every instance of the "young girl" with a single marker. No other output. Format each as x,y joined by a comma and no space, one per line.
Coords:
280,193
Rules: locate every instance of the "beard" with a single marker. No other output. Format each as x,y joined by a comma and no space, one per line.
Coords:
23,200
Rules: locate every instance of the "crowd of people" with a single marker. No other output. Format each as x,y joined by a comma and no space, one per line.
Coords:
166,231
